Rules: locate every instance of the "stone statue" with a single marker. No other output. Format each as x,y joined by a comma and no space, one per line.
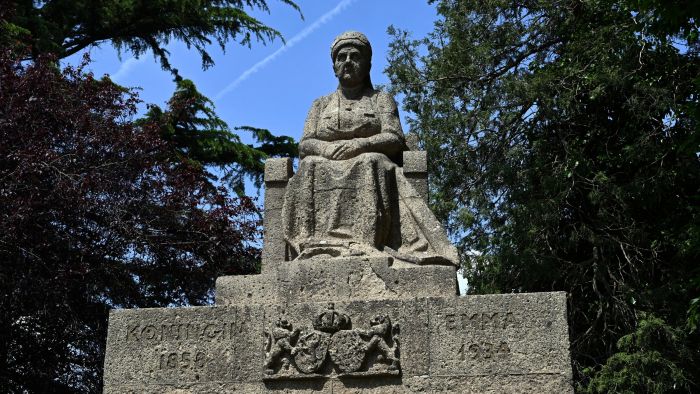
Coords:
399,326
349,196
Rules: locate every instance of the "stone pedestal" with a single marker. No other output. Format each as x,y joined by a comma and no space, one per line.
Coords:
346,325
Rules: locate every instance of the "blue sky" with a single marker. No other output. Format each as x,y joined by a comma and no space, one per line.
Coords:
272,86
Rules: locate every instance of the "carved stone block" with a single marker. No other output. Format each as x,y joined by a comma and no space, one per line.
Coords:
513,343
331,346
277,174
337,279
517,334
166,347
415,162
278,170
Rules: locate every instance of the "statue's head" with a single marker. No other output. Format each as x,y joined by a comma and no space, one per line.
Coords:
352,59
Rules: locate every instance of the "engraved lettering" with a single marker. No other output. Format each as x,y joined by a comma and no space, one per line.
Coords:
200,360
192,330
487,350
473,320
482,350
172,360
211,331
509,320
178,330
149,332
182,360
133,333
474,350
185,360
488,320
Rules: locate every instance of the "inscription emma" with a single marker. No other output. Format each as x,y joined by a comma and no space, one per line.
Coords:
479,320
184,331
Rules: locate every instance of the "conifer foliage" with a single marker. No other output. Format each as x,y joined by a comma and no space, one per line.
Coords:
65,27
567,133
100,210
192,125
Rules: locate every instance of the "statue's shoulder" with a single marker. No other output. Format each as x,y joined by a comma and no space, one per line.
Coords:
322,101
385,101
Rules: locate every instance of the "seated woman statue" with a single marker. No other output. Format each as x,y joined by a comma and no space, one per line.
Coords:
349,197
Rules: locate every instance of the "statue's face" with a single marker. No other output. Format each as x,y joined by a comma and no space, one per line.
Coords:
350,66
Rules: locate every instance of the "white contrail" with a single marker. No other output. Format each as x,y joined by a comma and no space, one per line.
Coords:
290,43
125,68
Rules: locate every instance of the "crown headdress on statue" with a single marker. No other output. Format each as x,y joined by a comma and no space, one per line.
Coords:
354,38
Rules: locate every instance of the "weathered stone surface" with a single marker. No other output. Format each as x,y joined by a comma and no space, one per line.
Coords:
173,347
349,196
277,174
514,343
352,298
516,334
415,168
278,170
415,162
248,289
339,279
496,384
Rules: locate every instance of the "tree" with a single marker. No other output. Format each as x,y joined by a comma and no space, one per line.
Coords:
101,211
63,28
97,213
569,137
201,136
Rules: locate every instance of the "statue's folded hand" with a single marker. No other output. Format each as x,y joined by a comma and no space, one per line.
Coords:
343,150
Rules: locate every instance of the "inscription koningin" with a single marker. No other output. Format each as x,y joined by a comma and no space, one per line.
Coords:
332,347
157,333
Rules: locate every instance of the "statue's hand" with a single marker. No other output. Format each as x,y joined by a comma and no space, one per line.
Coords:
345,149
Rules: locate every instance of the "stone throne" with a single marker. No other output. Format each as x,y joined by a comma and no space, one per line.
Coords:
414,166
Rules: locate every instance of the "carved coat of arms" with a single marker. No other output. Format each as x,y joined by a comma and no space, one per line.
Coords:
293,352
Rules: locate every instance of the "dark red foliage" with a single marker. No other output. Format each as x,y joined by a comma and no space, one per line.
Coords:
96,213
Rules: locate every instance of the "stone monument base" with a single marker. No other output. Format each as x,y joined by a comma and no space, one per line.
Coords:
344,326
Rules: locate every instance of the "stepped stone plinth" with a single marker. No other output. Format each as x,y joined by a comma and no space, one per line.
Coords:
439,342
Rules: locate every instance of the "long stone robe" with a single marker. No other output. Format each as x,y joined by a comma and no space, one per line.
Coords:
363,205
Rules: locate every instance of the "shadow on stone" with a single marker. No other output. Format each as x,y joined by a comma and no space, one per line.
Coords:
359,383
297,384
